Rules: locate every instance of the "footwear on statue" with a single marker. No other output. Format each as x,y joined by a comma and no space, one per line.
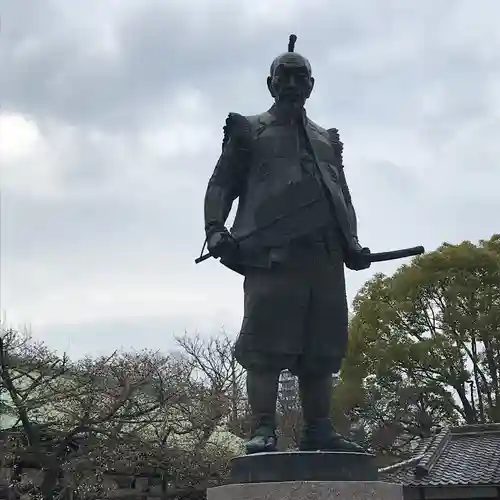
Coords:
321,435
262,389
264,440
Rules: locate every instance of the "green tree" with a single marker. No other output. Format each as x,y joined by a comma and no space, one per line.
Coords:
425,346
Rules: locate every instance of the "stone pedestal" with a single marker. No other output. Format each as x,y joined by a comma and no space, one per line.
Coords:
308,490
317,475
303,466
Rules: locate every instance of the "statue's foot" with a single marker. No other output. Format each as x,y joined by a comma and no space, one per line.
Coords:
322,436
335,442
263,441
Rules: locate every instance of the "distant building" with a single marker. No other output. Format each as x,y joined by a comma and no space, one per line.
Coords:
456,464
289,398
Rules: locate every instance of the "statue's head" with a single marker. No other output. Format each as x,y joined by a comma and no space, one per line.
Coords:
290,81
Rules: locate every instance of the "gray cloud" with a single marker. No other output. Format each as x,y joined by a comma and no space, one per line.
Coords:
113,123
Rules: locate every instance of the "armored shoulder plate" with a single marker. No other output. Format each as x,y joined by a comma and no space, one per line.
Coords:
236,126
334,134
337,144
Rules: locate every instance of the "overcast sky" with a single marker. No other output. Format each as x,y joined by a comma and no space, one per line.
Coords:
111,124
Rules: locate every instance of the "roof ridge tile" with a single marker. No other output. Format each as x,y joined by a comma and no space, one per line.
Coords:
476,428
433,453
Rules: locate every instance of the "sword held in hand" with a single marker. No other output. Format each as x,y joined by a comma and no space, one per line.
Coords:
373,257
301,209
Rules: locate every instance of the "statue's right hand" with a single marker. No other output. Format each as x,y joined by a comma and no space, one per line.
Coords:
221,244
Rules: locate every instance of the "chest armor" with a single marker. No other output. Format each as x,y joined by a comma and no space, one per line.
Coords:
280,155
279,159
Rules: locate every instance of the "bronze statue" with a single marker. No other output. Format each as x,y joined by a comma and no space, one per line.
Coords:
294,230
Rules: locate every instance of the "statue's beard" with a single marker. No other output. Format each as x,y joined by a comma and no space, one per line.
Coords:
291,103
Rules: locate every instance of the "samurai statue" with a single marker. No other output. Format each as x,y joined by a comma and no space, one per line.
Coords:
294,230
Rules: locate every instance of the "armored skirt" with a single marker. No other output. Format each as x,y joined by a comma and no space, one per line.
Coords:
295,312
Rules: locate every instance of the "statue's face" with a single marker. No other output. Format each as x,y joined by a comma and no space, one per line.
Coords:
291,81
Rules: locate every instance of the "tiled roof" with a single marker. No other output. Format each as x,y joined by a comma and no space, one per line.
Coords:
461,456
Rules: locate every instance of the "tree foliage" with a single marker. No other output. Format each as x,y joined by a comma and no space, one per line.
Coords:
213,362
81,422
425,346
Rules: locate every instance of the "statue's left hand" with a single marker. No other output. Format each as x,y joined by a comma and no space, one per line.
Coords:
359,259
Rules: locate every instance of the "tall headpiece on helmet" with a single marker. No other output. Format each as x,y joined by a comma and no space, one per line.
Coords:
290,57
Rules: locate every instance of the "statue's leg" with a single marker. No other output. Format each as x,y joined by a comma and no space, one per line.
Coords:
318,433
262,389
324,348
269,341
